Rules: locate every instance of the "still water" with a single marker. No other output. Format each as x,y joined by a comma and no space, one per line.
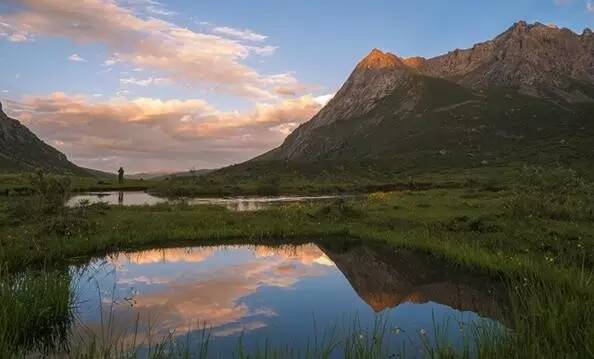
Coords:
138,198
275,294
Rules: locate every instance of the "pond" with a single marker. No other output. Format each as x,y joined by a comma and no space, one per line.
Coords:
281,295
137,198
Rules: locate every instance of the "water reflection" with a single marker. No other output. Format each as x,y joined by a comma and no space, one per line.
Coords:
264,292
117,198
386,278
234,203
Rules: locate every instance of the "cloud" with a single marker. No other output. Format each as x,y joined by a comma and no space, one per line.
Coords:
169,255
156,81
324,99
146,134
263,50
150,7
76,58
239,329
562,2
215,297
177,52
590,7
247,35
12,34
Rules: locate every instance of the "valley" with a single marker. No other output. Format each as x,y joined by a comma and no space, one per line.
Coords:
434,207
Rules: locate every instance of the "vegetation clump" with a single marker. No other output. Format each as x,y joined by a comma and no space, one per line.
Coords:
557,193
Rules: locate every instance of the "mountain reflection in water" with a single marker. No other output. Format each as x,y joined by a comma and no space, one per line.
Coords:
265,292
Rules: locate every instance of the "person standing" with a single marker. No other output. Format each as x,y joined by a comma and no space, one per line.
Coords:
121,175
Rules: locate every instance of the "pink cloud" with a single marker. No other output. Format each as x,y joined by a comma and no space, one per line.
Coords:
148,134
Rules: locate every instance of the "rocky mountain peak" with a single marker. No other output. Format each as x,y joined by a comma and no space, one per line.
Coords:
378,59
414,62
390,106
541,60
520,25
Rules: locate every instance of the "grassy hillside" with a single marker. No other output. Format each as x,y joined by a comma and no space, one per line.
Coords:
22,151
454,126
451,133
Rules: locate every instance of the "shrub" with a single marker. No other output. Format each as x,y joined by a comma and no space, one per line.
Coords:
51,193
558,193
47,209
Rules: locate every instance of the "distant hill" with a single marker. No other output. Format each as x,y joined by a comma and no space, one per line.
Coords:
146,175
22,151
164,175
525,96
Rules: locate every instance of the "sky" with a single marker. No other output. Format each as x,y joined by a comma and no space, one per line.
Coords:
189,84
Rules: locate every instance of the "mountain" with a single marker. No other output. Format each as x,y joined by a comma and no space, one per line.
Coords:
526,95
21,150
386,279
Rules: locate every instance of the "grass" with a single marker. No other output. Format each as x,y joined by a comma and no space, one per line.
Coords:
536,232
20,184
348,338
35,311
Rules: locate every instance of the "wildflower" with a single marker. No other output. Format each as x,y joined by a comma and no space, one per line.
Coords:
423,331
396,330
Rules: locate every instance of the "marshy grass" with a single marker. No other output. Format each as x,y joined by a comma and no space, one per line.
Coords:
348,338
535,232
548,321
34,311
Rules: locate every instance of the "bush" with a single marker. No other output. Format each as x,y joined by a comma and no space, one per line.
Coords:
51,193
558,193
71,221
340,209
47,209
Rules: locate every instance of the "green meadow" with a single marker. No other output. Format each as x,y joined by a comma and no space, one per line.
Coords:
533,231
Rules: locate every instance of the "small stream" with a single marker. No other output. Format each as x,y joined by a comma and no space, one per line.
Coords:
138,198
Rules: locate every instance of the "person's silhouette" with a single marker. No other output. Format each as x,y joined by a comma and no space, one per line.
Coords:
121,175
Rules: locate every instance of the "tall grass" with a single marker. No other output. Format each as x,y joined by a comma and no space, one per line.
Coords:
349,339
548,321
34,311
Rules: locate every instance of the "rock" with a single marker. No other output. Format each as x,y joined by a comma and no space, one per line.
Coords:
538,58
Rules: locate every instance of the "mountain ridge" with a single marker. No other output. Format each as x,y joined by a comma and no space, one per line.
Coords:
521,90
21,150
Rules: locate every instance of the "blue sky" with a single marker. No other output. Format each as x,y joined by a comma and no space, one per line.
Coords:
210,83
